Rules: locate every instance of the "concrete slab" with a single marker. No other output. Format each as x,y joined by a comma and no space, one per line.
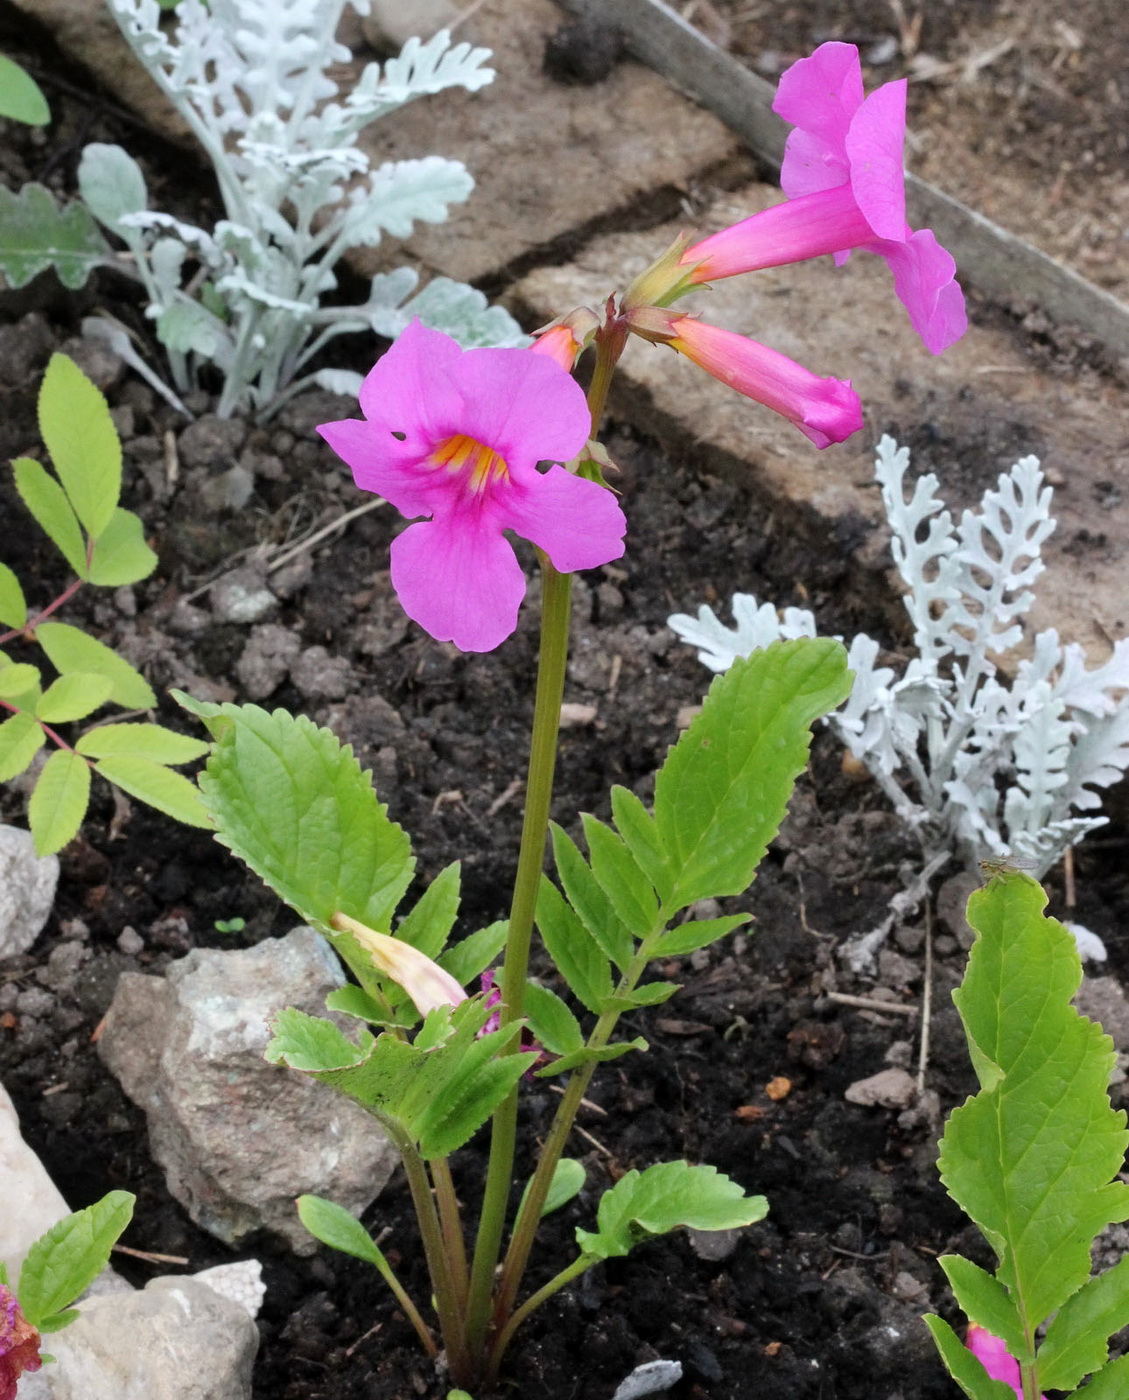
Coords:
968,413
550,160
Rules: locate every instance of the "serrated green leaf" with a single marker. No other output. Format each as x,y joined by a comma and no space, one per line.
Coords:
294,804
590,902
355,1001
1077,1339
21,99
652,994
59,801
75,422
568,1181
72,697
471,957
340,1229
589,1055
436,1094
21,738
429,924
120,554
637,827
663,1198
153,783
53,513
965,1368
65,1261
36,234
17,679
13,606
55,1323
550,1020
619,876
572,948
721,793
142,740
1031,1157
1110,1383
985,1301
72,650
695,934
111,183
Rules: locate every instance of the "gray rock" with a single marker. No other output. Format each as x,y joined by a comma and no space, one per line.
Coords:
266,659
889,1088
649,1379
237,1138
176,1339
320,676
241,596
211,442
26,1181
1103,999
27,890
231,490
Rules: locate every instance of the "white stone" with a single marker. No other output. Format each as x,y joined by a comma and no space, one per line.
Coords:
238,1138
391,23
242,1282
27,890
40,1204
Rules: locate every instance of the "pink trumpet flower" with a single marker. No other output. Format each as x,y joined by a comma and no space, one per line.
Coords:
19,1344
825,410
994,1356
845,183
457,435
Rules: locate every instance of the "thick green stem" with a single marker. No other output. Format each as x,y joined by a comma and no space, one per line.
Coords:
438,1265
566,1276
555,611
1030,1381
451,1224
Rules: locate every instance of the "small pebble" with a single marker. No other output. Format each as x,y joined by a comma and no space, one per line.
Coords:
130,941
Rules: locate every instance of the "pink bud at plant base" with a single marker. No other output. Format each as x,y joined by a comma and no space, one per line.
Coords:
565,339
19,1344
994,1356
825,410
424,980
845,183
457,435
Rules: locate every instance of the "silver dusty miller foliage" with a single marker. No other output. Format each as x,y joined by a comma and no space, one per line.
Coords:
252,80
977,767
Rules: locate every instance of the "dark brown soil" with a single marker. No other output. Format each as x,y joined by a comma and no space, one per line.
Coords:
822,1301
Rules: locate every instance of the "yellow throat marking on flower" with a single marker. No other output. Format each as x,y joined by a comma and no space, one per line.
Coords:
481,464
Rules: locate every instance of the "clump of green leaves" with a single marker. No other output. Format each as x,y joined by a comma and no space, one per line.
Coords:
1033,1158
294,804
103,544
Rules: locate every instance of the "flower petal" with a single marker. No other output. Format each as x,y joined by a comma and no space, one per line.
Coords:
383,465
523,405
821,93
925,281
875,144
578,523
825,410
459,578
812,164
994,1356
409,389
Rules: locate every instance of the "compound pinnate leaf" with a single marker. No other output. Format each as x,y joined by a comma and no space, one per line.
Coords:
721,794
984,1300
152,741
335,1226
21,738
36,234
17,679
619,876
573,949
1031,1158
589,1055
72,697
53,513
663,1198
153,783
59,802
75,421
470,957
1077,1339
552,1023
120,554
72,650
590,902
294,804
965,1368
66,1260
695,934
13,607
637,827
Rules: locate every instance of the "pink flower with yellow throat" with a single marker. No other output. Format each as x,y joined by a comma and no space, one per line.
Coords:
458,436
845,182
